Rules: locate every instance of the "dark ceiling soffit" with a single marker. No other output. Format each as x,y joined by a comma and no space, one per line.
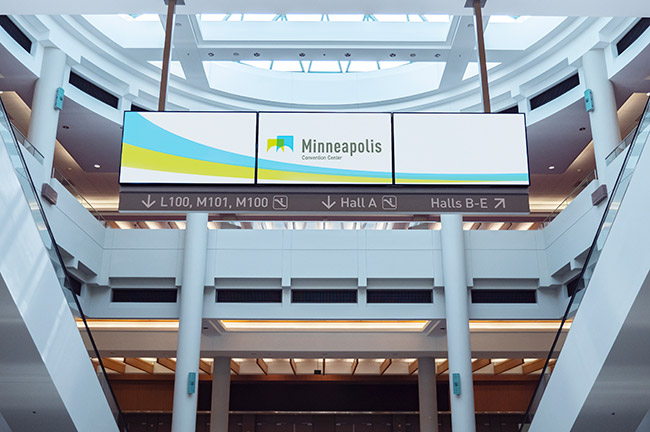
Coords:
470,3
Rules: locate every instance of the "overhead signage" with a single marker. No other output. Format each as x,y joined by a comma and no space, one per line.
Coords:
188,148
324,148
326,163
460,149
289,202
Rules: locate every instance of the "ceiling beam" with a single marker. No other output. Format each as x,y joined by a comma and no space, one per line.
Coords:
385,365
413,366
507,365
138,363
503,7
114,365
294,367
442,367
355,364
262,365
234,366
167,362
480,364
205,366
533,366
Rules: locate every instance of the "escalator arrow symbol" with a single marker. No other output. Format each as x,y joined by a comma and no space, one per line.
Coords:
501,202
148,203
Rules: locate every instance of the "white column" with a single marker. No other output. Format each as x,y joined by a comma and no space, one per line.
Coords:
190,317
427,394
220,407
44,121
604,120
457,314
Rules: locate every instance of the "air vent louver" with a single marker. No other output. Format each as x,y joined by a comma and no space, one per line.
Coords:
249,296
554,92
399,296
16,33
93,90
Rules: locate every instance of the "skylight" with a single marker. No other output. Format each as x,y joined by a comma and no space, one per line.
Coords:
319,66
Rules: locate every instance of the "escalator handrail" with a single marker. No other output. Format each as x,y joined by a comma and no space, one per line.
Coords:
592,248
123,425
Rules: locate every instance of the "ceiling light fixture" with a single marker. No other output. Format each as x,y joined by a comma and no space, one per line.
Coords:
551,167
582,129
66,127
97,166
244,325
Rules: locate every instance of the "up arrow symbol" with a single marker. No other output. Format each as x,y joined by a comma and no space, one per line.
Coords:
329,204
148,203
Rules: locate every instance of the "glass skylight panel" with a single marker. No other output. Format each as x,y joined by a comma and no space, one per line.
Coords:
259,17
141,17
363,66
235,17
346,17
305,17
129,32
212,17
439,18
325,66
287,66
175,68
415,18
472,69
391,17
507,19
260,64
391,64
519,34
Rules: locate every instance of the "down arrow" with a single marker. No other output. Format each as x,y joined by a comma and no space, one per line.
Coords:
329,204
148,203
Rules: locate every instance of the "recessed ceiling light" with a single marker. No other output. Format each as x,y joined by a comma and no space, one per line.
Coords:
647,94
582,129
98,166
66,127
552,167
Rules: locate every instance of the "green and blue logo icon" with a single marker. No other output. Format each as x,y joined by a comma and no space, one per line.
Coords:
280,143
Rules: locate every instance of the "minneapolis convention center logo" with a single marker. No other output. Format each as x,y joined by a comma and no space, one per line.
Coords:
280,143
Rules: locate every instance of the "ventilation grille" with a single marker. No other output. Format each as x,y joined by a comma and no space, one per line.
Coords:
249,296
631,36
15,33
93,90
503,296
144,295
323,296
138,108
554,92
512,110
400,296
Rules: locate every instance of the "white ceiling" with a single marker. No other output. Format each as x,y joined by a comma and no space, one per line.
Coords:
633,8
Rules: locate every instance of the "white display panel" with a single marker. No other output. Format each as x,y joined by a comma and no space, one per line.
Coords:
188,148
460,149
324,148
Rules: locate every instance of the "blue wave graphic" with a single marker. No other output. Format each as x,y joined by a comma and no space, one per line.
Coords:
140,132
285,166
463,177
